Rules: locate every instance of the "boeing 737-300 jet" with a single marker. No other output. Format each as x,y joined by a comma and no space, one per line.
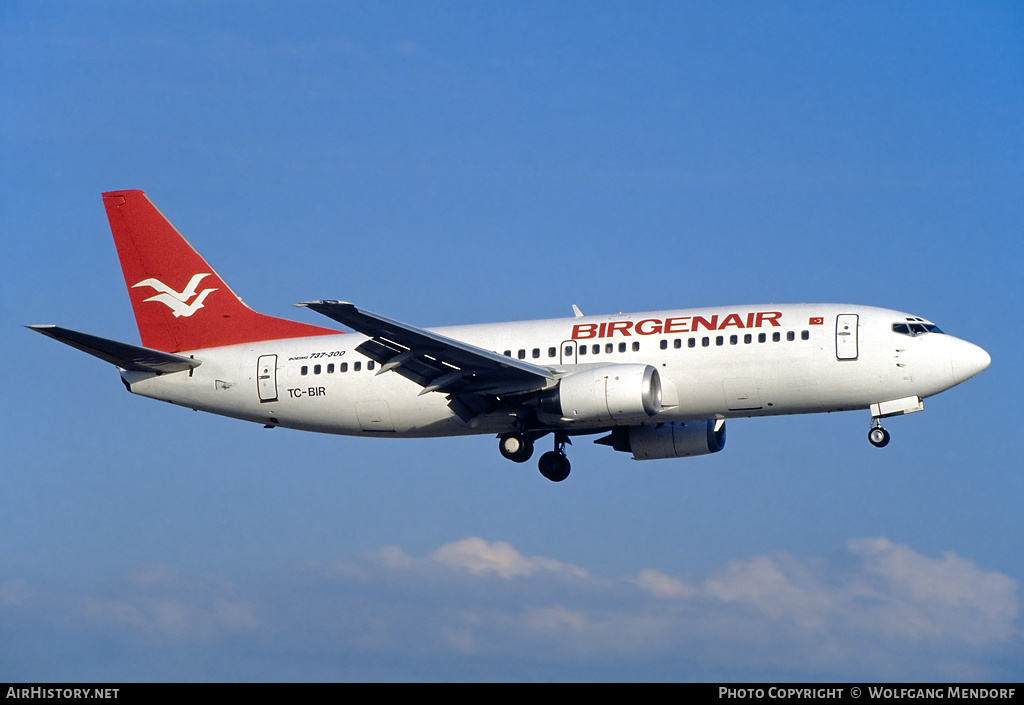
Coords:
659,384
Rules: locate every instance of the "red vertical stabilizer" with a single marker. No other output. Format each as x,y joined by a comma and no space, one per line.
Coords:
180,303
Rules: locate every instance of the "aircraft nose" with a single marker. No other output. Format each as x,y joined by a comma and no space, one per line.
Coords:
968,360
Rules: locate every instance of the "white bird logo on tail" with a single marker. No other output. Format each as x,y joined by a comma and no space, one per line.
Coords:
176,300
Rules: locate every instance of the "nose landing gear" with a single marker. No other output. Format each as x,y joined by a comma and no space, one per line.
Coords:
878,436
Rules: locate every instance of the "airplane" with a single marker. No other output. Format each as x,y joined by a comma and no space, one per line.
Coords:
658,384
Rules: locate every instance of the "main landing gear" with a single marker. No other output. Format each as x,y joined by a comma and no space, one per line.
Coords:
518,447
878,436
554,465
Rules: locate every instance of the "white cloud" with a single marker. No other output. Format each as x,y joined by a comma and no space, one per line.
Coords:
499,558
949,597
877,590
874,605
780,587
875,608
661,585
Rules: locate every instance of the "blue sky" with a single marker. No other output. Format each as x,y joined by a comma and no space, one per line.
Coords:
453,162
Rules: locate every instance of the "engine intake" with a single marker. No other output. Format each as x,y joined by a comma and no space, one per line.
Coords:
608,393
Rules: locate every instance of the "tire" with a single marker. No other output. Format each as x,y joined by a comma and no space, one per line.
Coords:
878,437
554,466
515,447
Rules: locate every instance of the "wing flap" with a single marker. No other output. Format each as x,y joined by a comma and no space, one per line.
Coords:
124,355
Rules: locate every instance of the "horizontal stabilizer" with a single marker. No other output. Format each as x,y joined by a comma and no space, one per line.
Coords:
125,356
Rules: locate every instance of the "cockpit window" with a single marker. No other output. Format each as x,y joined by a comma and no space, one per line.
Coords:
915,326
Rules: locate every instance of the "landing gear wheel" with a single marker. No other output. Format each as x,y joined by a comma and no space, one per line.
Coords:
554,466
516,447
878,437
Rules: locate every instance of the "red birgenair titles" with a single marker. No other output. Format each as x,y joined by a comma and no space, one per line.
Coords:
676,324
659,384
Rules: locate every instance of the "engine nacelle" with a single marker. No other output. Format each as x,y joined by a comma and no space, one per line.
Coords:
609,393
676,440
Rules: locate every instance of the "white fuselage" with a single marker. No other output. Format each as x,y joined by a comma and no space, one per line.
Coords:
714,363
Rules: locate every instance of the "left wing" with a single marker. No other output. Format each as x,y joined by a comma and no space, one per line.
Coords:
472,377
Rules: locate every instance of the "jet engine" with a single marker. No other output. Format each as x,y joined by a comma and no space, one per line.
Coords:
680,439
609,393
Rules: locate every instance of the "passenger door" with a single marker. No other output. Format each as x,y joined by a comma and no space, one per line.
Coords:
266,377
846,336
